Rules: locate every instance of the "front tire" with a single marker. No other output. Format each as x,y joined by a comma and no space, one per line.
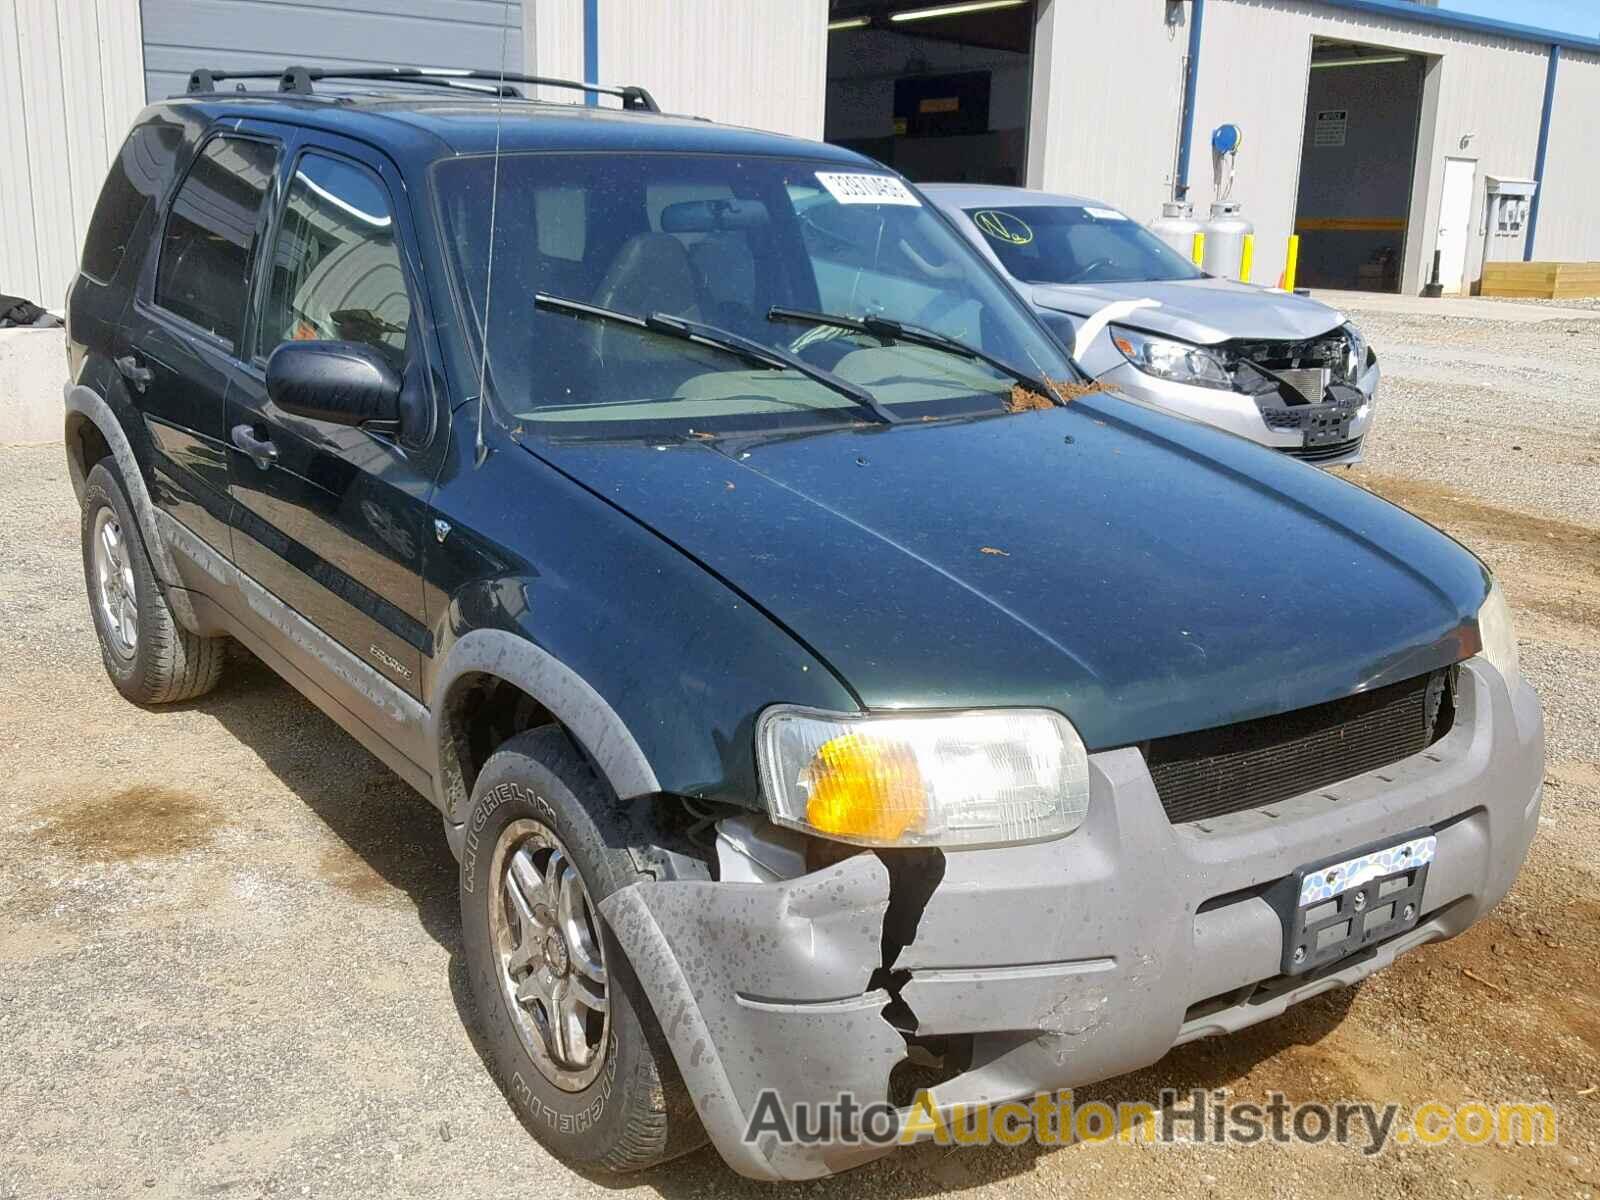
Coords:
150,657
568,1031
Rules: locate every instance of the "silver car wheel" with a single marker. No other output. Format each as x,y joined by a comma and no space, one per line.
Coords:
552,963
113,568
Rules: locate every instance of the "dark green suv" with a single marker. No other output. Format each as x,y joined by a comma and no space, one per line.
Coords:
826,694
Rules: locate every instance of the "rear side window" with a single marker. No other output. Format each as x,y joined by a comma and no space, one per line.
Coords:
206,251
336,273
139,174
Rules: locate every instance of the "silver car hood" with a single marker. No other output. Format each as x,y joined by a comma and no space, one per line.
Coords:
1199,310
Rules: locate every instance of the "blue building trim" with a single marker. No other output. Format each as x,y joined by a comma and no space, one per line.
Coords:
1544,145
1403,10
591,48
1191,79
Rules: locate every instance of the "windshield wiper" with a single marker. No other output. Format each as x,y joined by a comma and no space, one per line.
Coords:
725,340
889,330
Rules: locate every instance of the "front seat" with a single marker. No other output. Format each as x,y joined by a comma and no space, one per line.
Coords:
726,272
651,273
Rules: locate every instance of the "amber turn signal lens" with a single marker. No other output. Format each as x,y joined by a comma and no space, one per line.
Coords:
864,787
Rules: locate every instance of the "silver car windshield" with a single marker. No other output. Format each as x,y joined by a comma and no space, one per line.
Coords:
1070,243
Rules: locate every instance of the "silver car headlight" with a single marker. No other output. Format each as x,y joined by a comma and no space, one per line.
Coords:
1355,353
1164,358
980,777
1499,639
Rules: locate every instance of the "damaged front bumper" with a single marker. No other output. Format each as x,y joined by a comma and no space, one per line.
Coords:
1302,433
1059,963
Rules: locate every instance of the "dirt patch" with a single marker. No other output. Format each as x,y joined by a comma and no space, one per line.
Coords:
1520,981
1452,511
1549,568
144,821
1026,399
1069,391
346,870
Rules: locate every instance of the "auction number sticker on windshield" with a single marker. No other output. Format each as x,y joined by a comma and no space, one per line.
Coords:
1105,214
848,187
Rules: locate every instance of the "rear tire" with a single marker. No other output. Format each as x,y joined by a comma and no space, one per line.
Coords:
546,842
150,658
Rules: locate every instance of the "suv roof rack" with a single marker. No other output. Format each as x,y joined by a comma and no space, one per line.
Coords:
298,80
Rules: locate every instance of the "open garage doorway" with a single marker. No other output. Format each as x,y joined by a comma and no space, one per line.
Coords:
1357,165
938,91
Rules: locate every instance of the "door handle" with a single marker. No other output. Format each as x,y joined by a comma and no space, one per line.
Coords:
135,372
260,450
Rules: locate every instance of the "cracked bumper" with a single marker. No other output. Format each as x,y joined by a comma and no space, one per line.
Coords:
1238,413
1066,961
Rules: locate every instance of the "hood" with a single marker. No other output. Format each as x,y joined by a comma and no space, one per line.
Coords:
1141,574
1203,311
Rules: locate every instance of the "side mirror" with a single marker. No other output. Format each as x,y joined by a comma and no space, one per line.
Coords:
347,383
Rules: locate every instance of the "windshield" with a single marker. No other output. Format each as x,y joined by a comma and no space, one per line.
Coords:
723,240
1070,243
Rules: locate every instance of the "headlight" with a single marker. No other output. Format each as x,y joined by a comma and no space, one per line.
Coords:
1165,359
1355,354
1499,639
927,779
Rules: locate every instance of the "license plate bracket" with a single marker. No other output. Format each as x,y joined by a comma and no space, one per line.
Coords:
1327,429
1333,908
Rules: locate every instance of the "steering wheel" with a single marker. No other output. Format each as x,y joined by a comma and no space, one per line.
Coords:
1084,274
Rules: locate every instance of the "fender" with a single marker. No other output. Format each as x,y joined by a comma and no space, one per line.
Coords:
85,404
582,710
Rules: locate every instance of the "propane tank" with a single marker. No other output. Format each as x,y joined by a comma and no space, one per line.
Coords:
1225,231
1176,226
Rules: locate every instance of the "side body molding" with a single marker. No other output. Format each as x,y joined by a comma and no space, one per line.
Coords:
584,712
85,404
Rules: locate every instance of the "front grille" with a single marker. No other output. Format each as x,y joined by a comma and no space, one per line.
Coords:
1255,763
1324,453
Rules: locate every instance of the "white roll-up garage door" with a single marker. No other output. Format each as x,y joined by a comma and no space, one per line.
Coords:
268,35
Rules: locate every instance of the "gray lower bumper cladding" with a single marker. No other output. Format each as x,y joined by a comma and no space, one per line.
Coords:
766,986
1060,963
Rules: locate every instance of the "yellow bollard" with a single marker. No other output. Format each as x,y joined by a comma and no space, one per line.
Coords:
1247,257
1291,262
1198,253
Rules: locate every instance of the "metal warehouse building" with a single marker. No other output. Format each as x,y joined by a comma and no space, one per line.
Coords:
1379,131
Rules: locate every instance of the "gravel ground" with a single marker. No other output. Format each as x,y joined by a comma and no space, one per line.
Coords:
229,960
1509,413
1589,302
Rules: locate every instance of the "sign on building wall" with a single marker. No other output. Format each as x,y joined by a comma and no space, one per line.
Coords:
1330,127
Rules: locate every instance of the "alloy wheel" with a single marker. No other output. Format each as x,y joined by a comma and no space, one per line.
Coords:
552,961
113,568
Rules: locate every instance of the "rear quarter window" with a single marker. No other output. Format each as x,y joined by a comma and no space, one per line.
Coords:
210,238
139,176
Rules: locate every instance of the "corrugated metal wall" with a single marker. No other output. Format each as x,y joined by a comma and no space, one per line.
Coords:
69,88
746,62
554,43
1106,123
74,72
1253,72
1569,214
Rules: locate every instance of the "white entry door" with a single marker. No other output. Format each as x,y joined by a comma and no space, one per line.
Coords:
1455,215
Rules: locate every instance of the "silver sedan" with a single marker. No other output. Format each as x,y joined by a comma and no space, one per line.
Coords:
1280,369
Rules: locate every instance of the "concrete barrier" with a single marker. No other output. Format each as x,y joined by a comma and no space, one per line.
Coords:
33,366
